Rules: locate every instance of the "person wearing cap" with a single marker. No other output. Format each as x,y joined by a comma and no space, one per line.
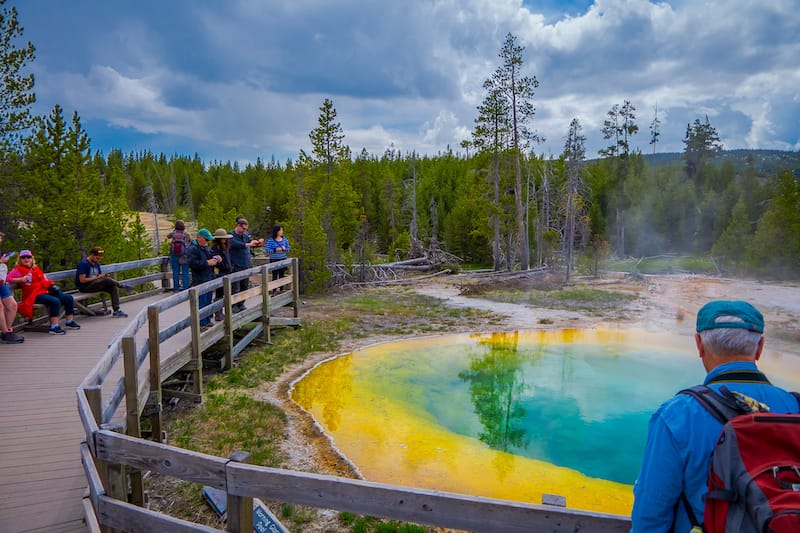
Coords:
89,277
202,262
221,247
682,434
37,289
241,256
8,305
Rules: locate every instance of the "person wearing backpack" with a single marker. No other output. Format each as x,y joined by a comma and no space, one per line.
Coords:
178,259
670,492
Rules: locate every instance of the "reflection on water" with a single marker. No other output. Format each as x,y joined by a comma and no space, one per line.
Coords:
495,388
504,415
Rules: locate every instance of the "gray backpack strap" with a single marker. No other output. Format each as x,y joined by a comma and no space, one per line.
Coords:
721,407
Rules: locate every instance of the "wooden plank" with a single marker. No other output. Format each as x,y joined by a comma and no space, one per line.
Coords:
147,455
436,508
127,517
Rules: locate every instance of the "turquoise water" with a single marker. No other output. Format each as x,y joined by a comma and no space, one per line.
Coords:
585,407
452,412
579,404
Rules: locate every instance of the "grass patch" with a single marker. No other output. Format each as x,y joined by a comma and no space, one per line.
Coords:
569,299
230,421
663,265
370,524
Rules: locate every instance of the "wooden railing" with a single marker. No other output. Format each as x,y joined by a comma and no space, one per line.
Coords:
115,454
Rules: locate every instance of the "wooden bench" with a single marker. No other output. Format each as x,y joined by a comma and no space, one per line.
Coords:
38,323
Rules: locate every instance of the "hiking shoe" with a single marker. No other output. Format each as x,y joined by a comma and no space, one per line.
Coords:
9,337
127,286
71,324
119,313
57,331
218,316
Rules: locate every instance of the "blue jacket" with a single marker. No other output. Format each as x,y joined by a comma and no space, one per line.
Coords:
240,253
270,246
680,439
198,263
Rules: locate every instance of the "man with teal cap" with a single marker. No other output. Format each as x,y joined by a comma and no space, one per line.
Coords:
202,262
682,434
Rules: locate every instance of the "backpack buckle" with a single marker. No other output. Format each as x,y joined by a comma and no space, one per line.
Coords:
786,485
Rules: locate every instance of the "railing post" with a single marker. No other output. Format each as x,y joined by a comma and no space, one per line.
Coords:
116,486
296,287
133,425
227,292
197,351
95,398
154,348
265,302
165,269
240,508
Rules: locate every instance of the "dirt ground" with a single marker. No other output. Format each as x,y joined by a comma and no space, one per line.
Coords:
668,303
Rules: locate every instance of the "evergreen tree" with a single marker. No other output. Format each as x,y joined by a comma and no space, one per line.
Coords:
332,190
701,145
68,205
16,87
518,90
655,130
327,139
729,250
490,135
619,126
775,249
16,97
574,153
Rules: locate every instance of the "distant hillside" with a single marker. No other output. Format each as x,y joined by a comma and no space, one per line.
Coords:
765,161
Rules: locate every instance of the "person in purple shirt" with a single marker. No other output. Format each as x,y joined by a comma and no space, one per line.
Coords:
682,434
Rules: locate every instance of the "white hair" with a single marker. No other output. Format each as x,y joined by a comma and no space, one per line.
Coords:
730,341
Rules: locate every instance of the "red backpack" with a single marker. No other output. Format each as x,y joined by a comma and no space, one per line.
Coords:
754,478
178,243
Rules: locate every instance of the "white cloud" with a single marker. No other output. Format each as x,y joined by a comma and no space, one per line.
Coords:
249,79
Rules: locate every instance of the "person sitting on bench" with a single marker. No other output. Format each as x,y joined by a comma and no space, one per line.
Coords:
37,289
89,277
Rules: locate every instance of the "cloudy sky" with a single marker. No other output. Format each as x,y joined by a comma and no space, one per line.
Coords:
240,79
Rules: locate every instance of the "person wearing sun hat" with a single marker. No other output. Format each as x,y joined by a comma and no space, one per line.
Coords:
682,434
38,289
202,261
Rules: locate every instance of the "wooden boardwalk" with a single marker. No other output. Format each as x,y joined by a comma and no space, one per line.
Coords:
41,478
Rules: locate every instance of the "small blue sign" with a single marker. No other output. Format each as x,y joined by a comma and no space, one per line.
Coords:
263,520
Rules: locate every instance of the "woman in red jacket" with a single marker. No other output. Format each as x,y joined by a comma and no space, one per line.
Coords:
37,289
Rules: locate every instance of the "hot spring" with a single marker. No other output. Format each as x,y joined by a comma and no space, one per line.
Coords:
506,415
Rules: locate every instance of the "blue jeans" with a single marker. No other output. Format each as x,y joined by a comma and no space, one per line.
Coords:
205,300
54,303
180,273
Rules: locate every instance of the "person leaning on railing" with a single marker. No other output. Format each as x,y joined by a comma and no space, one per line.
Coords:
221,247
37,289
202,262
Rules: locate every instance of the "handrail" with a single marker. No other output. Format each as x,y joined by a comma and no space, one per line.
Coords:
113,460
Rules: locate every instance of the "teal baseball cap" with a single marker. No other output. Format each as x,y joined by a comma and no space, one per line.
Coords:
712,316
205,234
